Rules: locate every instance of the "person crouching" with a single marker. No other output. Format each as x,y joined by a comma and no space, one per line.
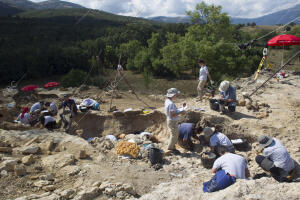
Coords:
48,122
275,159
228,97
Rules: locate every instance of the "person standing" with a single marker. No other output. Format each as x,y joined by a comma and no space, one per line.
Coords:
172,118
70,103
203,74
275,159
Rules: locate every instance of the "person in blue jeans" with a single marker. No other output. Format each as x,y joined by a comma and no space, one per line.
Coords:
228,97
70,103
186,131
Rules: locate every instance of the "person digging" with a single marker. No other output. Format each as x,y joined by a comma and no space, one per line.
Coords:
186,132
228,97
70,103
275,159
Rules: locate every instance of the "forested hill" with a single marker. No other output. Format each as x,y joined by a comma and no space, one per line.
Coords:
76,13
50,4
70,42
6,10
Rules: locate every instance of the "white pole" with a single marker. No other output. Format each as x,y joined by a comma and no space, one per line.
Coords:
282,55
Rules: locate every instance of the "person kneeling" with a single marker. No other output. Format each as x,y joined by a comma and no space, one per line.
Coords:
227,169
228,97
48,122
186,131
275,159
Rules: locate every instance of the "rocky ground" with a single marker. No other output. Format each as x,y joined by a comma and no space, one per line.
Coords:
38,164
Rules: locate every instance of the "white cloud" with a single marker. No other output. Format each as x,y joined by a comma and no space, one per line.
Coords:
146,8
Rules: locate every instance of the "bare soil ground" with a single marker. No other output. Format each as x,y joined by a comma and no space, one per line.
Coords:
180,177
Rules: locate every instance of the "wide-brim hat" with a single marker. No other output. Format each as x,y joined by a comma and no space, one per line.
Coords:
172,92
208,132
224,86
264,141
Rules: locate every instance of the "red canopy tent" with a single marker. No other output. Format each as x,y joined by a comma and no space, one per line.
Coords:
284,40
51,84
28,88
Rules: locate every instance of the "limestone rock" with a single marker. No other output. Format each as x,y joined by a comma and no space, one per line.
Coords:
49,188
241,102
70,170
97,184
41,183
82,154
105,185
47,177
51,197
128,188
88,194
8,165
110,191
32,149
27,160
3,173
58,160
5,149
20,170
66,194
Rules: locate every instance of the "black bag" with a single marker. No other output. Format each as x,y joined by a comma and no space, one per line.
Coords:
214,104
155,155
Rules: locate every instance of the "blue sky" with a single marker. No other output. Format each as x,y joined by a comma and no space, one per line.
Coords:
150,8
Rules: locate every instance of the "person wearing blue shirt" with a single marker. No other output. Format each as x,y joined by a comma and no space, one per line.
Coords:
70,103
228,97
186,131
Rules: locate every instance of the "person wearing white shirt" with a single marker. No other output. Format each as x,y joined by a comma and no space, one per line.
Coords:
172,117
53,109
217,139
48,122
232,164
36,108
203,74
24,117
275,159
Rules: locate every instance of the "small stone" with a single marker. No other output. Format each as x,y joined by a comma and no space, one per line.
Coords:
33,149
27,160
41,183
97,184
109,191
34,177
5,149
20,170
70,170
3,173
51,197
8,165
87,194
104,185
82,154
34,140
121,195
49,188
66,194
128,188
47,177
79,132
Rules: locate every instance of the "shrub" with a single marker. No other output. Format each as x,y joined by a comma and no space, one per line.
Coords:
74,78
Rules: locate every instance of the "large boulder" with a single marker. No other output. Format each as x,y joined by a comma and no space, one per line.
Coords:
58,161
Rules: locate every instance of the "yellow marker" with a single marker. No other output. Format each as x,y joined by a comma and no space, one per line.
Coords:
259,68
270,66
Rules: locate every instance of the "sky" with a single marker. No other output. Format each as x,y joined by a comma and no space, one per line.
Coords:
151,8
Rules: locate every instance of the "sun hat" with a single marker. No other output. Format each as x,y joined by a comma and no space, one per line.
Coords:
172,92
224,86
208,131
264,141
